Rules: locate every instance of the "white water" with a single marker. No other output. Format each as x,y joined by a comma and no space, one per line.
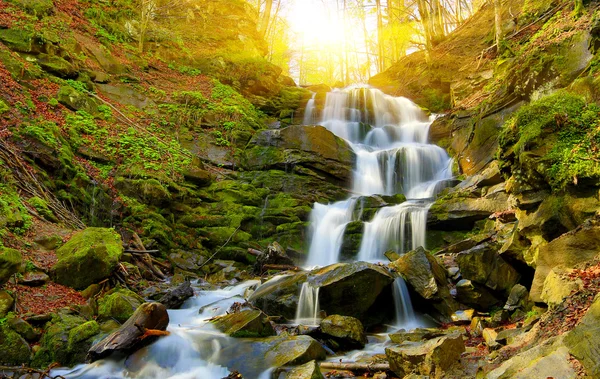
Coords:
191,351
389,136
308,305
309,111
405,314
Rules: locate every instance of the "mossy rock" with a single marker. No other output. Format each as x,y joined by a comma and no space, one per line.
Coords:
38,8
57,66
90,256
10,263
75,100
243,324
347,332
119,304
6,303
67,340
14,350
17,39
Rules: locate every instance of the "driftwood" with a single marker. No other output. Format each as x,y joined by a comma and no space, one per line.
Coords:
355,366
148,323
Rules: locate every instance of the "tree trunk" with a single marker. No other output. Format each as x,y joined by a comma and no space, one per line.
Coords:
380,39
265,18
147,323
498,22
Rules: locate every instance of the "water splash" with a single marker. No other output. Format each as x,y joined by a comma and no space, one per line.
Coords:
309,117
405,314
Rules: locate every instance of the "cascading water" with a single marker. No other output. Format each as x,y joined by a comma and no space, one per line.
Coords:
308,305
309,111
389,136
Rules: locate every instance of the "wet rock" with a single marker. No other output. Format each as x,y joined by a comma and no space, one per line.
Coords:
432,357
66,340
90,256
568,250
346,332
583,341
174,299
14,350
34,279
548,360
558,286
118,304
428,278
6,303
243,324
359,289
250,359
483,265
312,147
489,176
308,370
10,263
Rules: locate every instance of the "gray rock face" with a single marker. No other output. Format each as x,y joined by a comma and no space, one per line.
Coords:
568,250
483,265
313,148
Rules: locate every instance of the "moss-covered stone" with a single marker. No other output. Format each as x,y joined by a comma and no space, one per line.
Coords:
347,332
88,257
75,100
6,303
57,66
39,8
310,370
17,39
62,341
14,350
119,304
10,263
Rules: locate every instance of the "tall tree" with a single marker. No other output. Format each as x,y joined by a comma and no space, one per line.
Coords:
265,18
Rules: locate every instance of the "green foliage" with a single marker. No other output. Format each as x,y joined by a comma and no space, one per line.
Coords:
44,131
564,126
41,206
82,123
186,70
3,107
13,213
79,86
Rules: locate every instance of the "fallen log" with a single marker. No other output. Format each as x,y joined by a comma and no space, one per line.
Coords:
141,251
146,324
355,366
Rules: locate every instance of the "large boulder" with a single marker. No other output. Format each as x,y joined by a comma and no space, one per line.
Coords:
14,350
66,341
428,279
359,289
475,295
175,298
431,357
10,262
568,250
558,286
6,303
483,265
118,304
343,332
314,148
90,256
583,342
246,323
253,357
461,209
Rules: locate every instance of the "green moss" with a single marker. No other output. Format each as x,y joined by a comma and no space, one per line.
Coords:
17,39
37,8
119,304
41,206
89,256
10,263
63,341
561,128
13,213
14,350
3,107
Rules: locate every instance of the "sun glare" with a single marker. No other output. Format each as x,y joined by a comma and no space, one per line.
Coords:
317,25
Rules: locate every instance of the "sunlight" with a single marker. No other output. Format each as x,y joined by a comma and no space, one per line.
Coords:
318,25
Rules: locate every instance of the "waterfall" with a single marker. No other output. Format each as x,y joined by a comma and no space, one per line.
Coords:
390,138
309,111
308,305
405,315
